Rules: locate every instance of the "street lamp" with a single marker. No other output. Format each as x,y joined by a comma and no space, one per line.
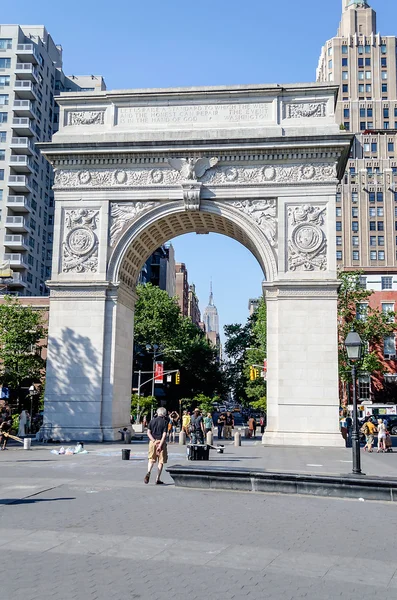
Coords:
353,345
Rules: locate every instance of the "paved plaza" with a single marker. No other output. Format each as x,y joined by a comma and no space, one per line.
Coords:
86,527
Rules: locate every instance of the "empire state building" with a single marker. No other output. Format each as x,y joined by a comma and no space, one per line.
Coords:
210,317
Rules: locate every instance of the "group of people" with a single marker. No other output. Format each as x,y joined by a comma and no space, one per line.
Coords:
379,427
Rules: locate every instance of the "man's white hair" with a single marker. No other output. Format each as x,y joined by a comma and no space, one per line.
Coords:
161,412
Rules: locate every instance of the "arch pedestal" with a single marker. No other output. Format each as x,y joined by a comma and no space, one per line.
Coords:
135,170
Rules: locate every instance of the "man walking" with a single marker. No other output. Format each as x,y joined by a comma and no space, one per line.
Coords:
229,424
197,427
157,433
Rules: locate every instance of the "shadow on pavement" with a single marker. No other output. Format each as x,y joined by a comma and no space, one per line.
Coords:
30,500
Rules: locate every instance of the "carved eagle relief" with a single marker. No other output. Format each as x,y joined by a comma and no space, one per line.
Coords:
192,168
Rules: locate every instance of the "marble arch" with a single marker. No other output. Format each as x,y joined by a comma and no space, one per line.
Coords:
135,168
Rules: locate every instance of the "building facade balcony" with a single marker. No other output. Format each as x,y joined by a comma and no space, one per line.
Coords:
15,242
22,145
20,183
24,108
17,261
23,126
25,89
19,204
17,224
26,70
18,280
21,163
27,53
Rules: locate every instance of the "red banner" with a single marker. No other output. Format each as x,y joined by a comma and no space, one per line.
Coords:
159,372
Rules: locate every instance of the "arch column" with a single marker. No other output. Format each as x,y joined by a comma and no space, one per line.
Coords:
89,363
302,376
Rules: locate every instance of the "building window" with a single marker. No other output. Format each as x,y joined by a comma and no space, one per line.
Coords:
346,113
372,225
3,117
338,211
3,136
2,154
5,44
386,125
344,50
360,62
386,113
381,226
354,196
354,211
3,99
360,88
368,88
387,283
338,225
367,62
364,387
362,112
390,147
383,49
379,196
372,211
345,88
367,146
374,147
344,62
362,126
355,226
381,240
339,255
338,240
346,125
361,49
5,63
330,51
345,75
373,255
4,80
388,307
372,240
356,255
379,211
384,75
338,197
383,61
389,346
368,75
361,311
1,174
355,240
330,64
381,255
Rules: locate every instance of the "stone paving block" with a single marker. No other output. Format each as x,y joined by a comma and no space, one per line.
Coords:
304,564
90,544
245,557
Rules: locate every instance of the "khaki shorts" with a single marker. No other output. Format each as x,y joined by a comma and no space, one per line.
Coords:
153,456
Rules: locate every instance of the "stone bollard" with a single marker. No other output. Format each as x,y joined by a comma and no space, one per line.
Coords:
237,438
27,442
182,438
210,438
263,438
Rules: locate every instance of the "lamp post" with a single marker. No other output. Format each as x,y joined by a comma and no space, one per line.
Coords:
353,345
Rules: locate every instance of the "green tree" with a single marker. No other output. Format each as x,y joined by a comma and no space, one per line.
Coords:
141,405
21,343
158,321
204,403
355,312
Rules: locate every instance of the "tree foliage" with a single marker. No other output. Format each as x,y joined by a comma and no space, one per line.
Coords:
141,405
246,345
21,342
370,323
204,403
158,321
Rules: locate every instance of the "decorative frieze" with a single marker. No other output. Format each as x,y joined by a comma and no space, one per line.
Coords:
80,242
219,175
305,110
307,245
123,213
263,212
86,117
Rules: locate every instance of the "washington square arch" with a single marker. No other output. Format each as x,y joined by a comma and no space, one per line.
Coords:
135,168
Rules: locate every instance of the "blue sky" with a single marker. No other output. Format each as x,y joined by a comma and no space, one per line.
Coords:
137,44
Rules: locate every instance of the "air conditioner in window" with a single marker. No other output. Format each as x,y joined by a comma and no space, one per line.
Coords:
390,356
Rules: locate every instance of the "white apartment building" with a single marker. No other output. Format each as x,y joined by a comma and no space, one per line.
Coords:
30,76
363,63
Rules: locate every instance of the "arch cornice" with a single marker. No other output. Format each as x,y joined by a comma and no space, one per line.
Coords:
262,246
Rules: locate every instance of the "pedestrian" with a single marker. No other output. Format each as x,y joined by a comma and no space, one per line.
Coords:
174,419
157,433
381,436
5,427
197,427
22,424
262,423
229,425
369,430
252,427
186,423
349,428
208,423
221,424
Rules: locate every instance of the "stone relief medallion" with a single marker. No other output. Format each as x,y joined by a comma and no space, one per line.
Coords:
231,174
269,173
120,177
80,240
308,171
307,247
80,244
156,175
84,177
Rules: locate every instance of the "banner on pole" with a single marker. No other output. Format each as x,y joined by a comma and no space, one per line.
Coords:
159,372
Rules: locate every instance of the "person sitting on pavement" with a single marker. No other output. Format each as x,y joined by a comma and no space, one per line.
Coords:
197,427
157,433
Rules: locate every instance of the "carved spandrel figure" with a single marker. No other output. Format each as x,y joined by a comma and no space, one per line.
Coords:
192,168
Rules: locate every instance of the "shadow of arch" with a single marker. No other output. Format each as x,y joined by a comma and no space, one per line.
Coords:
169,220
